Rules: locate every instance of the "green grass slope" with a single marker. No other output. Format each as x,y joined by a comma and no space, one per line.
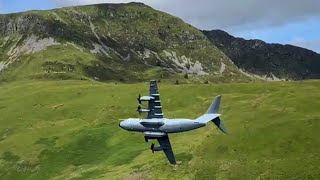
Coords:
107,42
69,130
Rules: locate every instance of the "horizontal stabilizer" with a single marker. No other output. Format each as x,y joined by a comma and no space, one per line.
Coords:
206,118
217,121
212,115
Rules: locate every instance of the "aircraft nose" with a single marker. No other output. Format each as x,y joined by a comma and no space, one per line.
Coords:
124,124
121,124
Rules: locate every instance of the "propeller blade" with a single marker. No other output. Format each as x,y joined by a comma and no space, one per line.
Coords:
152,148
139,98
139,109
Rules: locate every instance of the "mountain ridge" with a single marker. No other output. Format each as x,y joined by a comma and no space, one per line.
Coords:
268,59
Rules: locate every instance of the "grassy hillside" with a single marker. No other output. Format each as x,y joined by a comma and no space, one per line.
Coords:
69,130
123,42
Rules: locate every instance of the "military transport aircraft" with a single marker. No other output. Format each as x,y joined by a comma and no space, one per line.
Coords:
155,126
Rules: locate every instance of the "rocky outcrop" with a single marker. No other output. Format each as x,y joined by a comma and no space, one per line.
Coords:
23,24
268,61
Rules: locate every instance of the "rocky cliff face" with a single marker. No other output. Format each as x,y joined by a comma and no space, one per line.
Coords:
107,42
270,61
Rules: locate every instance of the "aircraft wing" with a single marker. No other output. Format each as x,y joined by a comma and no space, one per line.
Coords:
166,147
155,108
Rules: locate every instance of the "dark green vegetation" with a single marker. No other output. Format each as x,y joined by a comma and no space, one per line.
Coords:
121,42
69,130
258,57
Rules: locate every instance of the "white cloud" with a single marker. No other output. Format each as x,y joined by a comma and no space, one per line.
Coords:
313,44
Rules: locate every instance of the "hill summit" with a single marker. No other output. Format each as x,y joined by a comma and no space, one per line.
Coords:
128,42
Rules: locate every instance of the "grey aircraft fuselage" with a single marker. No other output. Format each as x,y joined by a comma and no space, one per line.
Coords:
160,125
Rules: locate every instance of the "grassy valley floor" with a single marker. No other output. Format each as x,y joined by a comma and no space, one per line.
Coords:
69,130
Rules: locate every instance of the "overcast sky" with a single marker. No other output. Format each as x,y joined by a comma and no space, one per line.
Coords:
279,21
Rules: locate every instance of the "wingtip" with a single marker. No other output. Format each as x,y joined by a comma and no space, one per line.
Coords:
218,97
225,131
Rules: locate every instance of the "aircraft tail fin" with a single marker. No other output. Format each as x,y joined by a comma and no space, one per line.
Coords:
214,108
212,115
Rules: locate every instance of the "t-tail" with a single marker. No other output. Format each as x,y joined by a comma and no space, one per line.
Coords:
213,115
